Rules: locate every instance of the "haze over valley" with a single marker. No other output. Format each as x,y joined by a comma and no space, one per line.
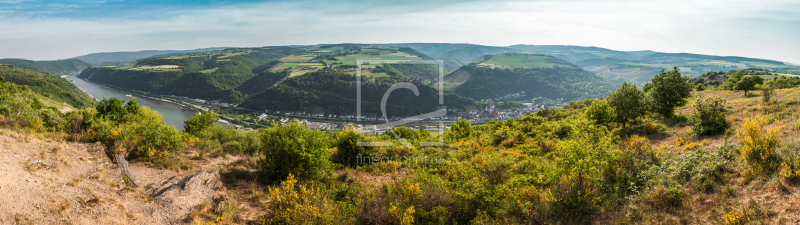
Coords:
399,112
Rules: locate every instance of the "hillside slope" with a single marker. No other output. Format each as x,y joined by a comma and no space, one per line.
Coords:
47,85
57,67
112,58
208,75
632,66
531,75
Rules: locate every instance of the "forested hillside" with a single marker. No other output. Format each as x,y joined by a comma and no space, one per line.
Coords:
57,67
532,75
209,75
335,92
47,85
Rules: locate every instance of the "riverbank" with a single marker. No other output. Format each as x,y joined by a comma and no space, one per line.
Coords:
175,112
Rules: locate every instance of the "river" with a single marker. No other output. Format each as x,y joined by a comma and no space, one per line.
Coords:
172,113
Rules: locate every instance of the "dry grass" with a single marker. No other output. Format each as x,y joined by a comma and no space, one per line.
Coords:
767,200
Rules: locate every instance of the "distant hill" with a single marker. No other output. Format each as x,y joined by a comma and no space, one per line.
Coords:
526,76
456,55
57,67
47,85
632,66
208,75
112,58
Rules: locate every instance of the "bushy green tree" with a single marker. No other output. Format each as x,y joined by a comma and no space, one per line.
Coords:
348,150
459,130
730,83
709,116
111,109
200,122
699,87
748,83
628,102
601,113
779,83
670,90
294,149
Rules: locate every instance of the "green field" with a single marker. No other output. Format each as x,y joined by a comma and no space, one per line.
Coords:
520,61
209,70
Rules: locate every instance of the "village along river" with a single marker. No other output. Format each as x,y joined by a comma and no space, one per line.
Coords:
173,113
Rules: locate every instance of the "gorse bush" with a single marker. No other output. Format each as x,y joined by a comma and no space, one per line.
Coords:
736,218
790,168
757,147
293,203
293,149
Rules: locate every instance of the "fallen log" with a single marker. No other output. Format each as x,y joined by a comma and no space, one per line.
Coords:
123,166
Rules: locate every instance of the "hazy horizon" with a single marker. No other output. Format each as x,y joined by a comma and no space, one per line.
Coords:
45,30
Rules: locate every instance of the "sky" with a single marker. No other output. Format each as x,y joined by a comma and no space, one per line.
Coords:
47,30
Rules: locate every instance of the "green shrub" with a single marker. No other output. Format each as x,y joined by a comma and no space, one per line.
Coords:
293,149
702,169
232,140
348,150
669,197
200,122
709,116
574,199
145,134
460,129
601,113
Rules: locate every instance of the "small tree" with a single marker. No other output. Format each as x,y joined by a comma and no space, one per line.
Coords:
766,91
730,83
200,122
709,116
670,89
601,113
628,103
748,83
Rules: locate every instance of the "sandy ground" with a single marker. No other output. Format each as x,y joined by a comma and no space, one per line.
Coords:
45,182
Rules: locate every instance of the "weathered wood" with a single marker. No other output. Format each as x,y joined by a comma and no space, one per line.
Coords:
123,166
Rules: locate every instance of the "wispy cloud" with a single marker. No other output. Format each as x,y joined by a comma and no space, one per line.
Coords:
767,29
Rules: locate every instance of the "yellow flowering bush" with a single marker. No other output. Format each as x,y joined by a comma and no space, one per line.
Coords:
758,148
736,218
680,141
291,203
691,146
790,168
406,217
